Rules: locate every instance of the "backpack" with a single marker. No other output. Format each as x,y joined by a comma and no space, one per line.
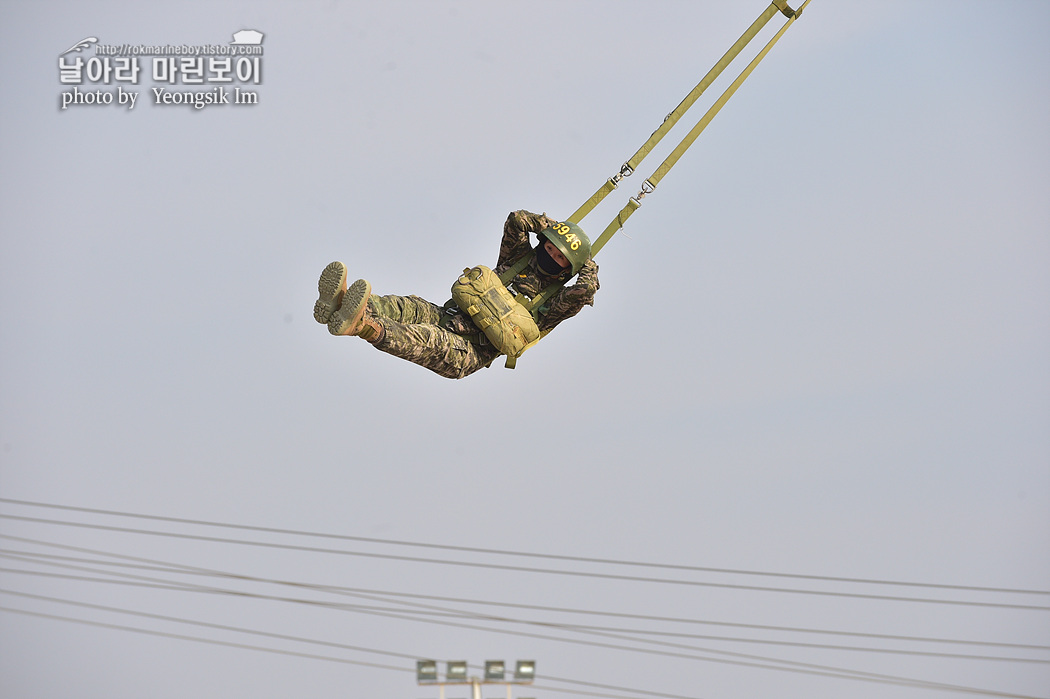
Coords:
507,324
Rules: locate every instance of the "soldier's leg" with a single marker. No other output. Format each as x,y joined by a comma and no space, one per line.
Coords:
433,347
406,327
405,309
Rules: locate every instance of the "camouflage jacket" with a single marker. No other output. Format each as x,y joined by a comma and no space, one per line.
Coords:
568,301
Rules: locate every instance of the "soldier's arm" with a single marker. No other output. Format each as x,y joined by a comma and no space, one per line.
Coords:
516,231
587,281
571,300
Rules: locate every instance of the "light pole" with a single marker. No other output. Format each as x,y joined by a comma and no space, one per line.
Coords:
456,674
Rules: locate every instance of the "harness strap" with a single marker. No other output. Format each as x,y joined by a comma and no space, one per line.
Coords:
650,184
535,304
671,119
508,274
677,153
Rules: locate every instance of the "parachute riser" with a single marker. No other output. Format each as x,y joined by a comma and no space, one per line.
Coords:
671,119
649,185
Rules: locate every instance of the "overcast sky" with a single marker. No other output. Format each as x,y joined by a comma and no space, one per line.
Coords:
819,349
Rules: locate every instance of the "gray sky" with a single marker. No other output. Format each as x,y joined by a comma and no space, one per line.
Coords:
819,349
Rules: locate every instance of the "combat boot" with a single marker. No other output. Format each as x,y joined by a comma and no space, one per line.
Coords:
330,289
354,316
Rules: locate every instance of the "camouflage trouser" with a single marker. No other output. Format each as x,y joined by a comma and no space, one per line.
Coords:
411,331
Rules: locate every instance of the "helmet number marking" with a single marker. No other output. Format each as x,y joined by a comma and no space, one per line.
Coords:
571,238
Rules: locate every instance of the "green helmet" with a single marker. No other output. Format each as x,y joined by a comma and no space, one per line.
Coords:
571,240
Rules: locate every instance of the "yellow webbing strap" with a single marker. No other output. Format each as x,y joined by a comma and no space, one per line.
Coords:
671,119
508,274
719,103
650,184
531,305
616,224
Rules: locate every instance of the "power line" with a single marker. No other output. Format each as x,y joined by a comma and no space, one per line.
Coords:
638,635
802,644
312,656
300,639
210,625
203,640
184,569
523,569
504,552
782,665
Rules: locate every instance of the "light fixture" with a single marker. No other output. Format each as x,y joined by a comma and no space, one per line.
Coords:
456,671
426,671
525,671
495,670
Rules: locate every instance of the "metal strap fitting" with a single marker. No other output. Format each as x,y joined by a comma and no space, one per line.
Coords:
785,9
647,188
625,171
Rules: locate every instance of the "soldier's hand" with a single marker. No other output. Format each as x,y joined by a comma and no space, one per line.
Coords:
524,220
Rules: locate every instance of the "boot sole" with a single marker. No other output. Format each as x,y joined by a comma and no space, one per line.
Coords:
347,320
330,289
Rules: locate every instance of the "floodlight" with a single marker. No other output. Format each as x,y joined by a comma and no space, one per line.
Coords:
426,671
456,671
494,670
525,671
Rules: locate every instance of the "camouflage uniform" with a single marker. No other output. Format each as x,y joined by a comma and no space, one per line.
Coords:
448,342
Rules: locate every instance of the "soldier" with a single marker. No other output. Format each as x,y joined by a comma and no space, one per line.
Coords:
444,339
